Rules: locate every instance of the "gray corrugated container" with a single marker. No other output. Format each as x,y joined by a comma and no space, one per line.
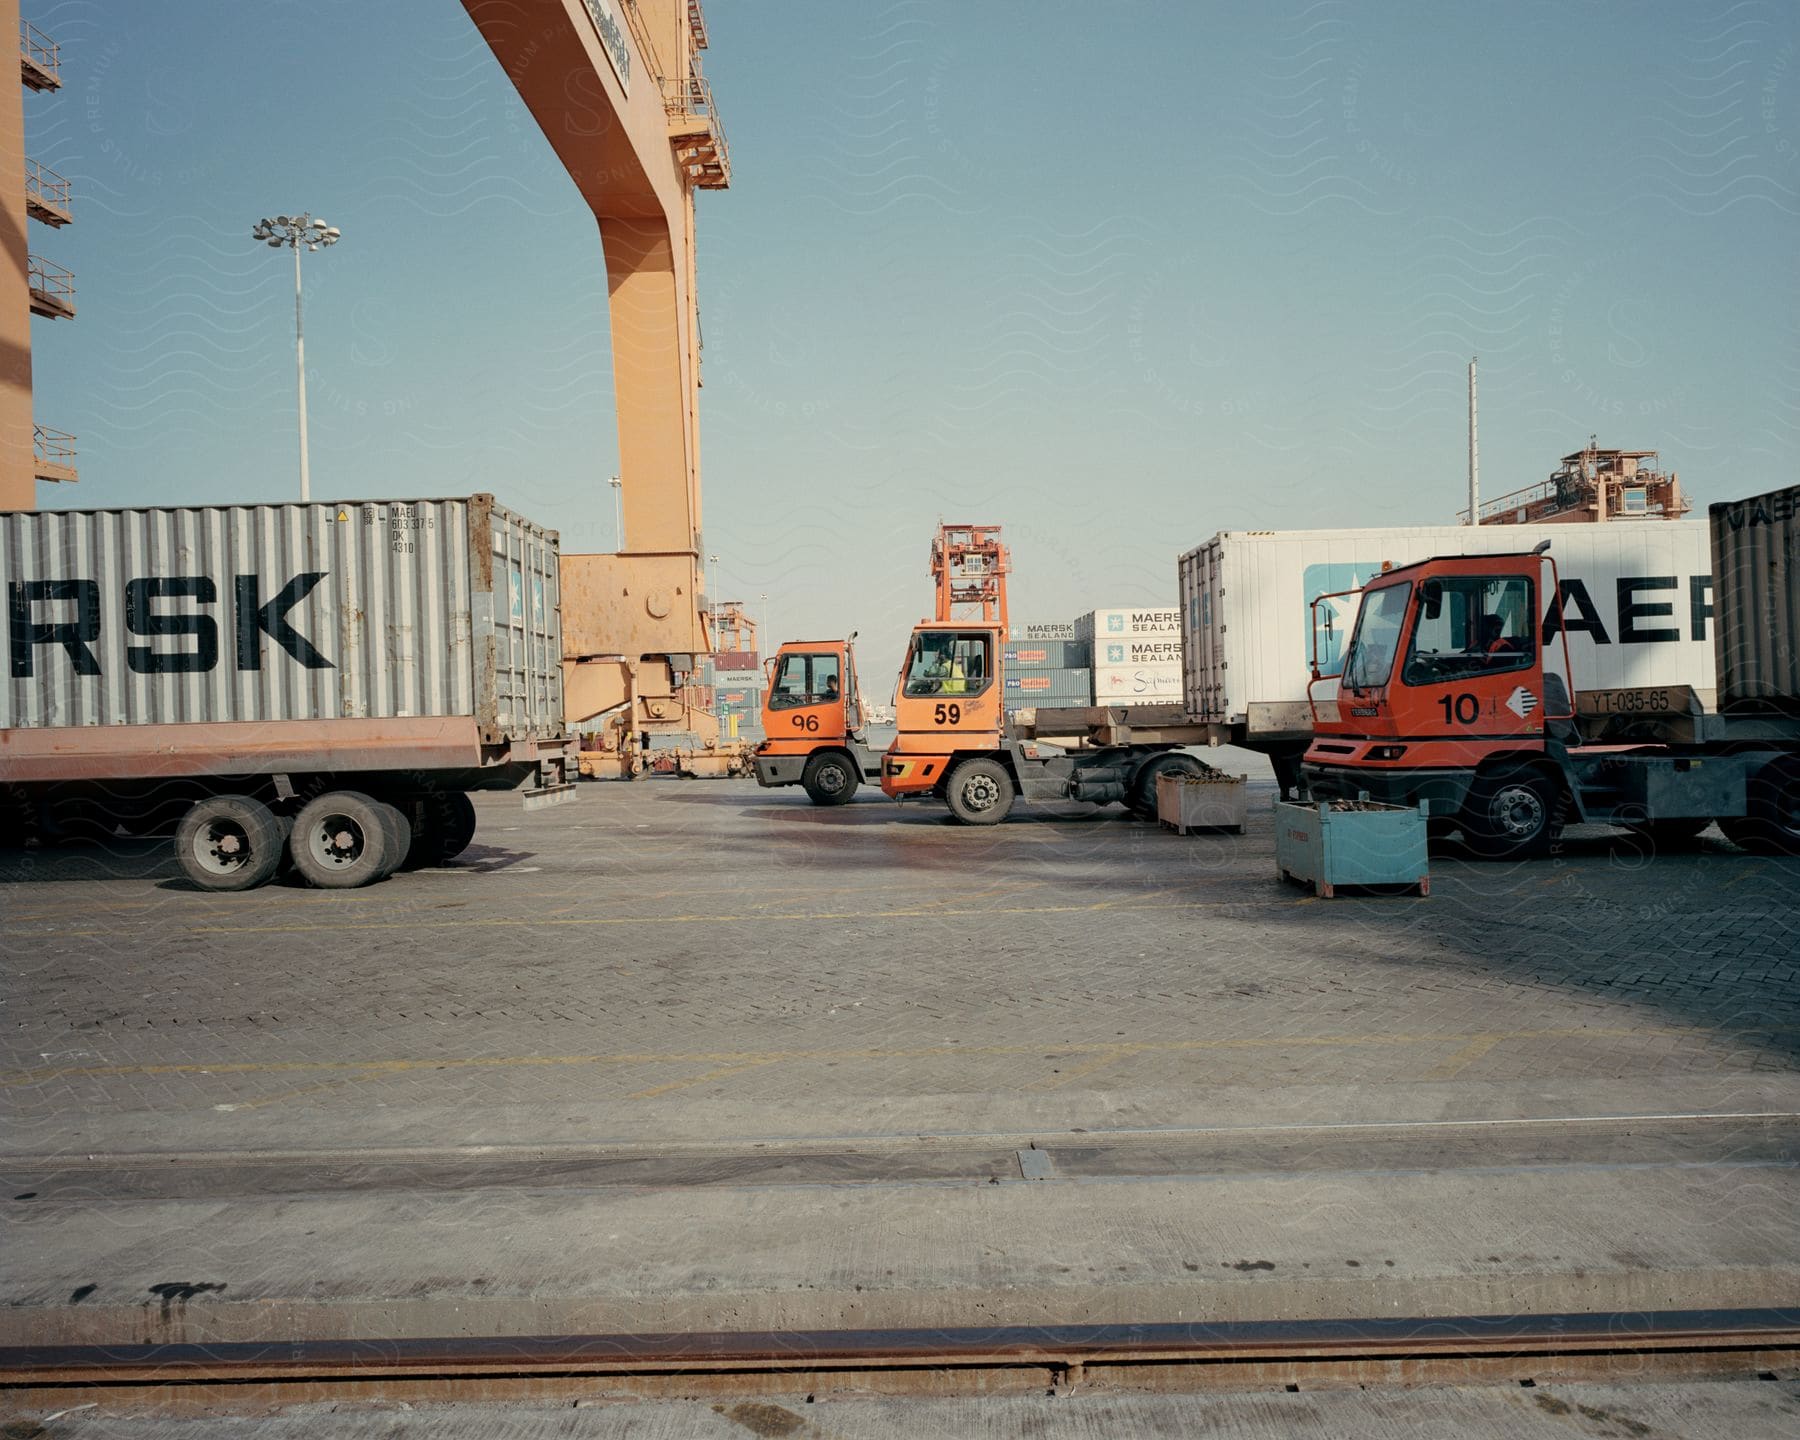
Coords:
1756,596
265,614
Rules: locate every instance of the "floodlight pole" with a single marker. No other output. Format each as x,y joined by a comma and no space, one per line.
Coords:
300,367
294,232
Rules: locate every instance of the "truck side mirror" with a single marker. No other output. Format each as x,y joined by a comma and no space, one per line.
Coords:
1431,597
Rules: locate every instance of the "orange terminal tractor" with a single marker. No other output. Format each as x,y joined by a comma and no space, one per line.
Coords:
1457,692
953,741
814,723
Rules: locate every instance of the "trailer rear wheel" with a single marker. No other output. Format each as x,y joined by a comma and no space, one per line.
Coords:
457,823
341,841
443,826
1772,826
400,834
979,792
1513,813
830,779
229,842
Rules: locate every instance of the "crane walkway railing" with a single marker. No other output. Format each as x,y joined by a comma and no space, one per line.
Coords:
40,58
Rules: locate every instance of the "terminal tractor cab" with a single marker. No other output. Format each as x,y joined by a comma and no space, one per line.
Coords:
815,723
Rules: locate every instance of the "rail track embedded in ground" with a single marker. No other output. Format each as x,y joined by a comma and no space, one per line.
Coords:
1525,1350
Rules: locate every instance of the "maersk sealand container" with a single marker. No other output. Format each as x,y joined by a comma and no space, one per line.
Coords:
1637,607
404,651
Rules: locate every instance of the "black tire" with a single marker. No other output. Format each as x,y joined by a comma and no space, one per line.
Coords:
229,842
457,824
341,841
979,792
400,834
1513,813
830,779
442,827
422,851
1143,789
1772,826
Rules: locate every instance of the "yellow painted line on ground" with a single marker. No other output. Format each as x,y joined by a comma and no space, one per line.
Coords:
1463,1058
1108,1048
718,1074
1086,1068
338,1084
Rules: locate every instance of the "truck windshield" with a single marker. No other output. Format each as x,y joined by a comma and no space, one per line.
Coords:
1377,637
806,680
948,662
1471,625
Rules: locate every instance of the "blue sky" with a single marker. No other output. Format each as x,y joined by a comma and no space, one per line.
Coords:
1116,276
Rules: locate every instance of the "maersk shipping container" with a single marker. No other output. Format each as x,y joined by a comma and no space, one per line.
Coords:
1074,686
252,638
1137,684
1637,609
1756,576
1048,655
1140,652
1041,630
1135,622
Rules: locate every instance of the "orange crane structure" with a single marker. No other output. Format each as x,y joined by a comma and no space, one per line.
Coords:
616,87
969,566
1594,486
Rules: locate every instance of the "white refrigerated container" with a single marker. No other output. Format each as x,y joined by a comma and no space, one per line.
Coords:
1638,610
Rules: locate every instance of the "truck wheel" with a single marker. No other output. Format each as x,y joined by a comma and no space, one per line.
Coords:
1772,826
830,779
442,827
229,842
1143,789
400,834
455,816
979,792
340,841
1513,813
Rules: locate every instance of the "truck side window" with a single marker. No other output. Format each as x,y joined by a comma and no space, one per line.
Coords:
947,662
805,680
1482,625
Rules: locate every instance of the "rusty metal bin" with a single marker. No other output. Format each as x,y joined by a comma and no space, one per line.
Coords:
1213,801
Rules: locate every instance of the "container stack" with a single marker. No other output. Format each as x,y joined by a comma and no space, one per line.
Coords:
735,678
1135,654
1046,666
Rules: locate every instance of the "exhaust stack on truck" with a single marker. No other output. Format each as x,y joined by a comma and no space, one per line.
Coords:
346,672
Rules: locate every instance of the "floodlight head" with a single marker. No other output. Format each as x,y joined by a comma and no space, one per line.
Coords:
274,243
312,247
282,220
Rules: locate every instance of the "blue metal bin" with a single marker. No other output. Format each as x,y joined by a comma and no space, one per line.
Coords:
1370,845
